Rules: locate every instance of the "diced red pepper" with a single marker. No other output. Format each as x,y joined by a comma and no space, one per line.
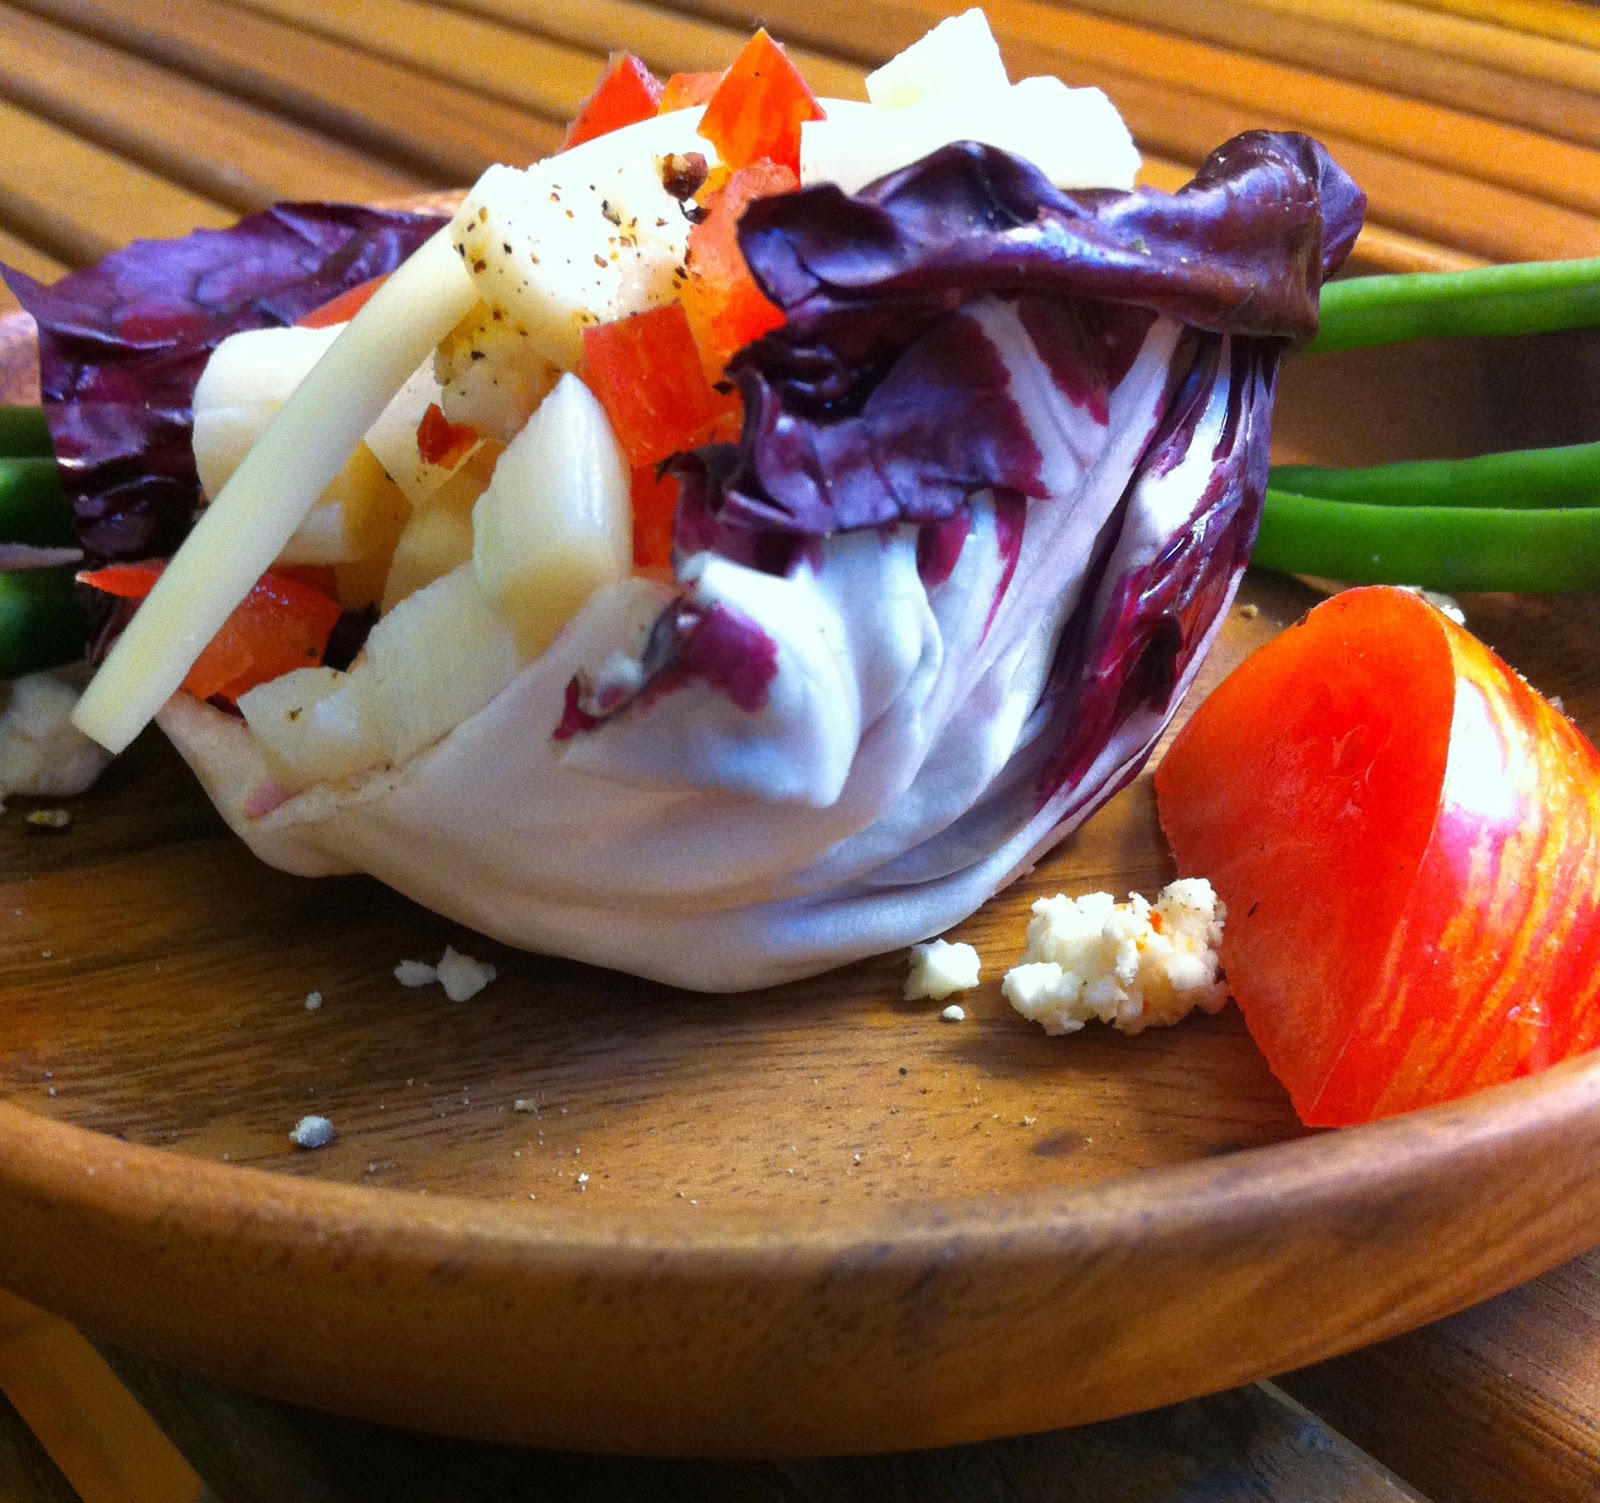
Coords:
655,499
647,374
279,626
627,93
441,442
759,107
725,307
342,308
685,90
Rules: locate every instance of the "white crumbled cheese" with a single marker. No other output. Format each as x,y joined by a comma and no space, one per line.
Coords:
460,975
415,973
954,1013
938,969
1129,964
312,1132
42,754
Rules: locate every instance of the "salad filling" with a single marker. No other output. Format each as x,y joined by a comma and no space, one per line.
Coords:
755,576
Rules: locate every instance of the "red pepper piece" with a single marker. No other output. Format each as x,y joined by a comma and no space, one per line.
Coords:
759,108
627,93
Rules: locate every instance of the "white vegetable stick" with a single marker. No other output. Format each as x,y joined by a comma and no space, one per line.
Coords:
246,526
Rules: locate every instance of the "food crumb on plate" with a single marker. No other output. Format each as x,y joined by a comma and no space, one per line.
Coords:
460,975
42,754
49,819
940,968
312,1132
954,1013
313,1001
1134,965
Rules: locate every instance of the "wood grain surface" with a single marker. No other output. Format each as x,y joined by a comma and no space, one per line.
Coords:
1475,126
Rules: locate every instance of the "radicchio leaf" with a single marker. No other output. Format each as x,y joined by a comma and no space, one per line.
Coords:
122,344
876,401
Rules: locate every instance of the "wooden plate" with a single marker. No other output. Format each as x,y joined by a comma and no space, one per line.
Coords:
584,1211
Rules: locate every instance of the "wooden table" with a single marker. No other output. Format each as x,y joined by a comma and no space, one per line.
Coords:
1474,125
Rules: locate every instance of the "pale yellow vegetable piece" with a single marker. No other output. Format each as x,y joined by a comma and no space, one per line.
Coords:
246,527
435,660
1074,136
958,59
556,522
312,727
243,387
436,540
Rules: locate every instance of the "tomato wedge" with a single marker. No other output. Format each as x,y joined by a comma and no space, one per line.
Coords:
726,309
627,93
281,625
1408,841
646,371
343,308
759,107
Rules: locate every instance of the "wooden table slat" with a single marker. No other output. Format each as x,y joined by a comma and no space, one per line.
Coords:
1450,209
668,40
437,128
26,256
1250,1445
548,78
231,152
27,1474
1479,68
1561,20
1519,159
1501,1401
77,201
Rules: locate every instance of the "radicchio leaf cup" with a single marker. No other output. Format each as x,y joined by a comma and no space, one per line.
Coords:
1000,473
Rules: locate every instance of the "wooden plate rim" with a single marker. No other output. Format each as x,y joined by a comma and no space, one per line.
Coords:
35,1148
580,1327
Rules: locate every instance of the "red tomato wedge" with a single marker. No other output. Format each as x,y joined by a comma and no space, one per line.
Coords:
1408,841
647,374
759,107
281,625
342,308
627,93
441,442
686,89
726,309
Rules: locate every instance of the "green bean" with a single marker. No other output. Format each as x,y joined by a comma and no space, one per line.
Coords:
41,622
1518,479
23,430
1539,551
1532,298
32,509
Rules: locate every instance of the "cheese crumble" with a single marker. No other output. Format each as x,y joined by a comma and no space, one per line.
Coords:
1132,965
940,968
460,975
41,752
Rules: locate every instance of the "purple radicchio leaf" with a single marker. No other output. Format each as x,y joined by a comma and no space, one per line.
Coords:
885,398
874,402
122,344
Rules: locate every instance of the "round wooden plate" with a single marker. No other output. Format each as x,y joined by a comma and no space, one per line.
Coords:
585,1211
